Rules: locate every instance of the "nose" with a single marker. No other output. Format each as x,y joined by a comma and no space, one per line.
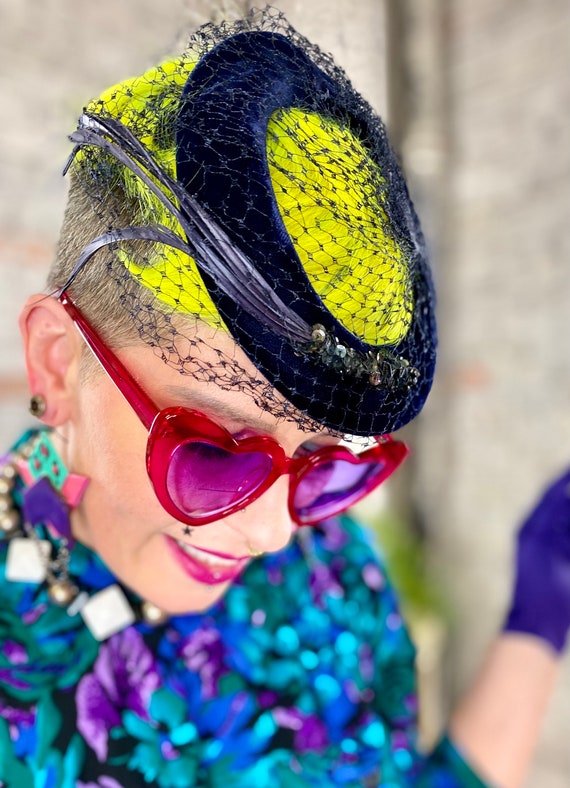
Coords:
266,524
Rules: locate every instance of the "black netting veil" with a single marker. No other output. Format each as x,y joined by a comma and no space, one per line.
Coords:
246,187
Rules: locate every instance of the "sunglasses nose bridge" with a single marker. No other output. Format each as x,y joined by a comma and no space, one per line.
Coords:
270,507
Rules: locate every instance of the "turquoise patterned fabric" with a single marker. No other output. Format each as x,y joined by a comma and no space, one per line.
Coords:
301,676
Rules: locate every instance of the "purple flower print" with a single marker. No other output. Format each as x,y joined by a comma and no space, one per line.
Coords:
16,716
311,736
102,782
15,652
324,581
335,535
310,731
15,655
203,653
124,677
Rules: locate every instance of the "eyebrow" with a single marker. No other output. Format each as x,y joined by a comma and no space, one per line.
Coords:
203,402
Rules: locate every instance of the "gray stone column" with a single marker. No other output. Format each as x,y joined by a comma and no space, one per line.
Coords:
483,131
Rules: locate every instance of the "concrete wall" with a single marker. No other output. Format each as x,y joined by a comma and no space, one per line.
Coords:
491,169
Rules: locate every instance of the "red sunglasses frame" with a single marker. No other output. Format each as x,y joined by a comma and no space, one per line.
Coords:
170,428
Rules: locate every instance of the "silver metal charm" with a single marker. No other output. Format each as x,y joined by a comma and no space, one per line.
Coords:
62,593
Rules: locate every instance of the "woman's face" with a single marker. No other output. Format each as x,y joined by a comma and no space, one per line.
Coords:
179,569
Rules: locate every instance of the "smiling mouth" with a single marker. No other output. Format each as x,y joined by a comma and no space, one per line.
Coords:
204,565
206,557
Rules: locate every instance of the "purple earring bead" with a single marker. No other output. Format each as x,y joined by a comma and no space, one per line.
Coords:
42,504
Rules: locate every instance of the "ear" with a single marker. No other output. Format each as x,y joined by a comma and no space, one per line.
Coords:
52,347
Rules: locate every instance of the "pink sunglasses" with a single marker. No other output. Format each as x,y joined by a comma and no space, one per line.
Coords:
200,472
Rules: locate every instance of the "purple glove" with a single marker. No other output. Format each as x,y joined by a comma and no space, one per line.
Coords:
541,600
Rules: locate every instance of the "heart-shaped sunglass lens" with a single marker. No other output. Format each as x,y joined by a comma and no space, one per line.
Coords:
204,479
332,486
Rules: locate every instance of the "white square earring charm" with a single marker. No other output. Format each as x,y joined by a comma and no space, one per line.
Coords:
107,612
26,560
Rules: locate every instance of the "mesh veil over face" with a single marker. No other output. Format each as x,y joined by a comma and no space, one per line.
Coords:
247,185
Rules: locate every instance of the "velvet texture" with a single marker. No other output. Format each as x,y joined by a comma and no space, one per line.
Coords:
221,160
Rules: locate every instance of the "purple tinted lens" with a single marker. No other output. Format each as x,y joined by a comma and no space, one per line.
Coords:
332,487
204,479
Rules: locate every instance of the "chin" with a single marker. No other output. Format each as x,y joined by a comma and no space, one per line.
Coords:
199,602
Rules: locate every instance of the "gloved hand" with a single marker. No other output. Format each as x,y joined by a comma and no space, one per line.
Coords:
541,599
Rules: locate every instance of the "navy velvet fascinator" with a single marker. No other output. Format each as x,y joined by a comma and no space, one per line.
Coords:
268,202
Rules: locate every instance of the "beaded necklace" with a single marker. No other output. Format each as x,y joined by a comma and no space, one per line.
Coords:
39,536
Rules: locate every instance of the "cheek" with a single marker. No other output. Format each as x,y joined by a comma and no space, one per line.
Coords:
113,437
109,447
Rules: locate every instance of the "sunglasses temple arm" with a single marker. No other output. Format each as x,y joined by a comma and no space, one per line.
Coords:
141,403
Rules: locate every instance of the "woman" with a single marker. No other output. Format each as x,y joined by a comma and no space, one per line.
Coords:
184,600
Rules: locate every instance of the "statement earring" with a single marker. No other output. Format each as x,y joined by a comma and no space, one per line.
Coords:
37,406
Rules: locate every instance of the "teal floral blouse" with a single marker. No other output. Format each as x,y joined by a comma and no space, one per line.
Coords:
303,675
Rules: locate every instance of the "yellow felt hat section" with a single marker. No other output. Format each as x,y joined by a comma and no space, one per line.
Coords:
329,193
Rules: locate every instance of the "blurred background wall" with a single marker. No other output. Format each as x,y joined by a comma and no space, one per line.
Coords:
477,96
